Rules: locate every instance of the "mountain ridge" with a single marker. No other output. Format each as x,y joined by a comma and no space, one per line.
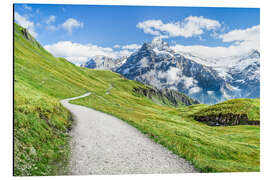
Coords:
207,80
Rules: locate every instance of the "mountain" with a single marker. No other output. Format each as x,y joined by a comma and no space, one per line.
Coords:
156,64
104,62
165,96
207,80
42,124
242,72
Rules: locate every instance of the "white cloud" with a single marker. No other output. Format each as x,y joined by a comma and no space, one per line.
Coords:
194,90
117,46
131,46
144,62
188,81
171,75
210,92
189,27
243,41
24,22
249,34
50,20
25,6
123,53
52,27
79,53
71,23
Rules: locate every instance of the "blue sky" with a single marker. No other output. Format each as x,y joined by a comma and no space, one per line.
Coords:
87,30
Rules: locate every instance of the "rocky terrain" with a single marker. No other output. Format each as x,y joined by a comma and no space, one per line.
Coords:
207,80
166,96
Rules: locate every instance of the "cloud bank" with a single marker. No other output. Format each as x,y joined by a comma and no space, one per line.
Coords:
243,40
191,26
80,53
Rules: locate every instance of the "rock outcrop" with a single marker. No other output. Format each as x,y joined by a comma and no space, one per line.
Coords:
166,96
229,119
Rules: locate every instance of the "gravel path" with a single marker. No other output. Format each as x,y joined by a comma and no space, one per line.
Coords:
103,144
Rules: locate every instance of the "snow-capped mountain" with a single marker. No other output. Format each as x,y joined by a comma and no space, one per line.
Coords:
104,62
242,72
209,80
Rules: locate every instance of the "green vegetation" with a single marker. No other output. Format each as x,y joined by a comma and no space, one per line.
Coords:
165,96
251,107
41,123
210,149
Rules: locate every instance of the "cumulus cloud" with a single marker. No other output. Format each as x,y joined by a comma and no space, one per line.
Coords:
189,27
50,19
249,34
24,22
79,53
71,23
243,41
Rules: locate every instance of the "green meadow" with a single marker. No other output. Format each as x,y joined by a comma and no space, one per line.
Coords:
42,124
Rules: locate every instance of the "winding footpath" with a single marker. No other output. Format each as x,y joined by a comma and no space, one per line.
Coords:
103,144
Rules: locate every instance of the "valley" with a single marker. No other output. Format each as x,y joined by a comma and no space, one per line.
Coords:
42,125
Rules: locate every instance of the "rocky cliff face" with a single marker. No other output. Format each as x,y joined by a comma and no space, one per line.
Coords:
166,96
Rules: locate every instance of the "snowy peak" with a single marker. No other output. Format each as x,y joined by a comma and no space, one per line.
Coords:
209,80
254,54
104,62
158,43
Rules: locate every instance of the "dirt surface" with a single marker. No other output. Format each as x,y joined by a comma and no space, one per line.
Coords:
103,144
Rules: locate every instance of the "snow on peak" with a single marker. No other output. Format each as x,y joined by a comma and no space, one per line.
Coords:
159,44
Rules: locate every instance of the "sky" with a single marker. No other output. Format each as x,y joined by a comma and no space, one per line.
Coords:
79,32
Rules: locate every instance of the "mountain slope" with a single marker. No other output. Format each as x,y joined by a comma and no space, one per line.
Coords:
157,65
231,112
41,124
103,62
209,81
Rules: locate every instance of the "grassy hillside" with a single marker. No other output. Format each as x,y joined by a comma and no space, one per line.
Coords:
231,112
41,123
210,149
251,107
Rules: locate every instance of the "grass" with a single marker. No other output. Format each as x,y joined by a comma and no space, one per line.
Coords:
210,149
41,123
251,107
